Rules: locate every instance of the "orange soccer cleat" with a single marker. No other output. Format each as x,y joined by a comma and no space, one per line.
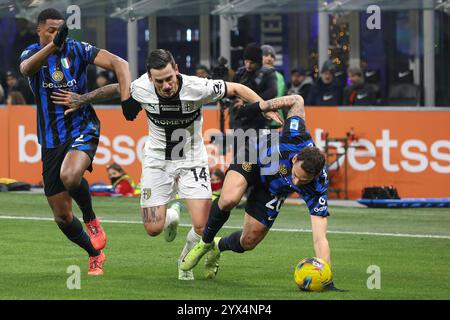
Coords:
97,234
96,265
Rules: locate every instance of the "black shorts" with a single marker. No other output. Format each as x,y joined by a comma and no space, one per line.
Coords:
261,204
52,159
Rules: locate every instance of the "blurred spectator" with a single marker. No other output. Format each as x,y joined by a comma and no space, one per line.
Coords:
217,178
202,71
372,78
268,58
260,79
14,83
15,98
221,71
121,182
105,78
326,91
301,83
358,93
341,76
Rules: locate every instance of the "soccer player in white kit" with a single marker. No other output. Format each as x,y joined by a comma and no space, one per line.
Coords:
174,158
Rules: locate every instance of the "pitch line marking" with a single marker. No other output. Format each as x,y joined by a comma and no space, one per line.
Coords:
401,235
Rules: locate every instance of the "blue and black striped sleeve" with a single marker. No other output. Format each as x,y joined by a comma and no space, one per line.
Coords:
28,52
294,132
87,52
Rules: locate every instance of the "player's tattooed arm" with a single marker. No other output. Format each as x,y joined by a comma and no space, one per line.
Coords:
74,100
294,103
149,215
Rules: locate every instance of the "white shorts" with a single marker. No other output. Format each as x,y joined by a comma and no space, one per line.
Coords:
161,180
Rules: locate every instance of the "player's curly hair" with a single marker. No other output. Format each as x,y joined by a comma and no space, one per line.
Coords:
313,160
158,59
49,13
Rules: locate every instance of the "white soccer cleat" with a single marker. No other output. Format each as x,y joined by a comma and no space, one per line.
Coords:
185,275
170,232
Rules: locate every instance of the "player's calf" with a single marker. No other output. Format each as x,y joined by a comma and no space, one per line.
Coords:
248,242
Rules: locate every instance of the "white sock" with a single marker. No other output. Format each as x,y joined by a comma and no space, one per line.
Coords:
171,215
192,239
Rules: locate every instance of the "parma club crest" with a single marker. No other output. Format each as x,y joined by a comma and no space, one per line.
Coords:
146,193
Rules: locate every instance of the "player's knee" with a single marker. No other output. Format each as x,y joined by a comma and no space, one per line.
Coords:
227,203
152,229
70,180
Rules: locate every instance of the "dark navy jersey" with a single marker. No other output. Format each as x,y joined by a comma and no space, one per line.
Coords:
276,177
63,70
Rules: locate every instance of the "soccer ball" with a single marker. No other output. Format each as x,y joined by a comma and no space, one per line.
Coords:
312,274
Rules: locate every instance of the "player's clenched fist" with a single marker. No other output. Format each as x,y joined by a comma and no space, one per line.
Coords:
130,108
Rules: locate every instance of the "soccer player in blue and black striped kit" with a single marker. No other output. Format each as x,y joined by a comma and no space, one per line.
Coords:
69,142
299,166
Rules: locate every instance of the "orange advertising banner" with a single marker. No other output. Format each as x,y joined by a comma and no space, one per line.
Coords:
409,149
4,143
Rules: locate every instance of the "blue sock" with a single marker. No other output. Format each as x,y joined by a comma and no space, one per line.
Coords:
74,232
83,199
232,242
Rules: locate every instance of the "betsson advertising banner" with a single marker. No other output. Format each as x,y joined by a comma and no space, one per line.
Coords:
407,149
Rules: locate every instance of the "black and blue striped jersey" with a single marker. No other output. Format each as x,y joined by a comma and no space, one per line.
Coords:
277,179
67,70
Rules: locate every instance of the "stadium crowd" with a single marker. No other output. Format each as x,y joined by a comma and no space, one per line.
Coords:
331,86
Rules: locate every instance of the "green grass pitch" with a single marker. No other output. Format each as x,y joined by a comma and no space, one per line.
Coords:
35,255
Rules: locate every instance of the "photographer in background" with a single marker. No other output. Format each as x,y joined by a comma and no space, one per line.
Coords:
260,79
15,83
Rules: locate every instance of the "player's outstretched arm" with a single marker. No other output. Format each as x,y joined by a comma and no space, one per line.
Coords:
319,232
243,92
248,95
109,61
74,100
294,103
32,65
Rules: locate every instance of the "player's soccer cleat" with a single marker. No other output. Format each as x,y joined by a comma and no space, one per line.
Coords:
185,275
96,265
170,232
212,260
96,233
194,256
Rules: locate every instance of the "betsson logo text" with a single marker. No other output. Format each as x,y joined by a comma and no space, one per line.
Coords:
122,149
416,155
413,151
